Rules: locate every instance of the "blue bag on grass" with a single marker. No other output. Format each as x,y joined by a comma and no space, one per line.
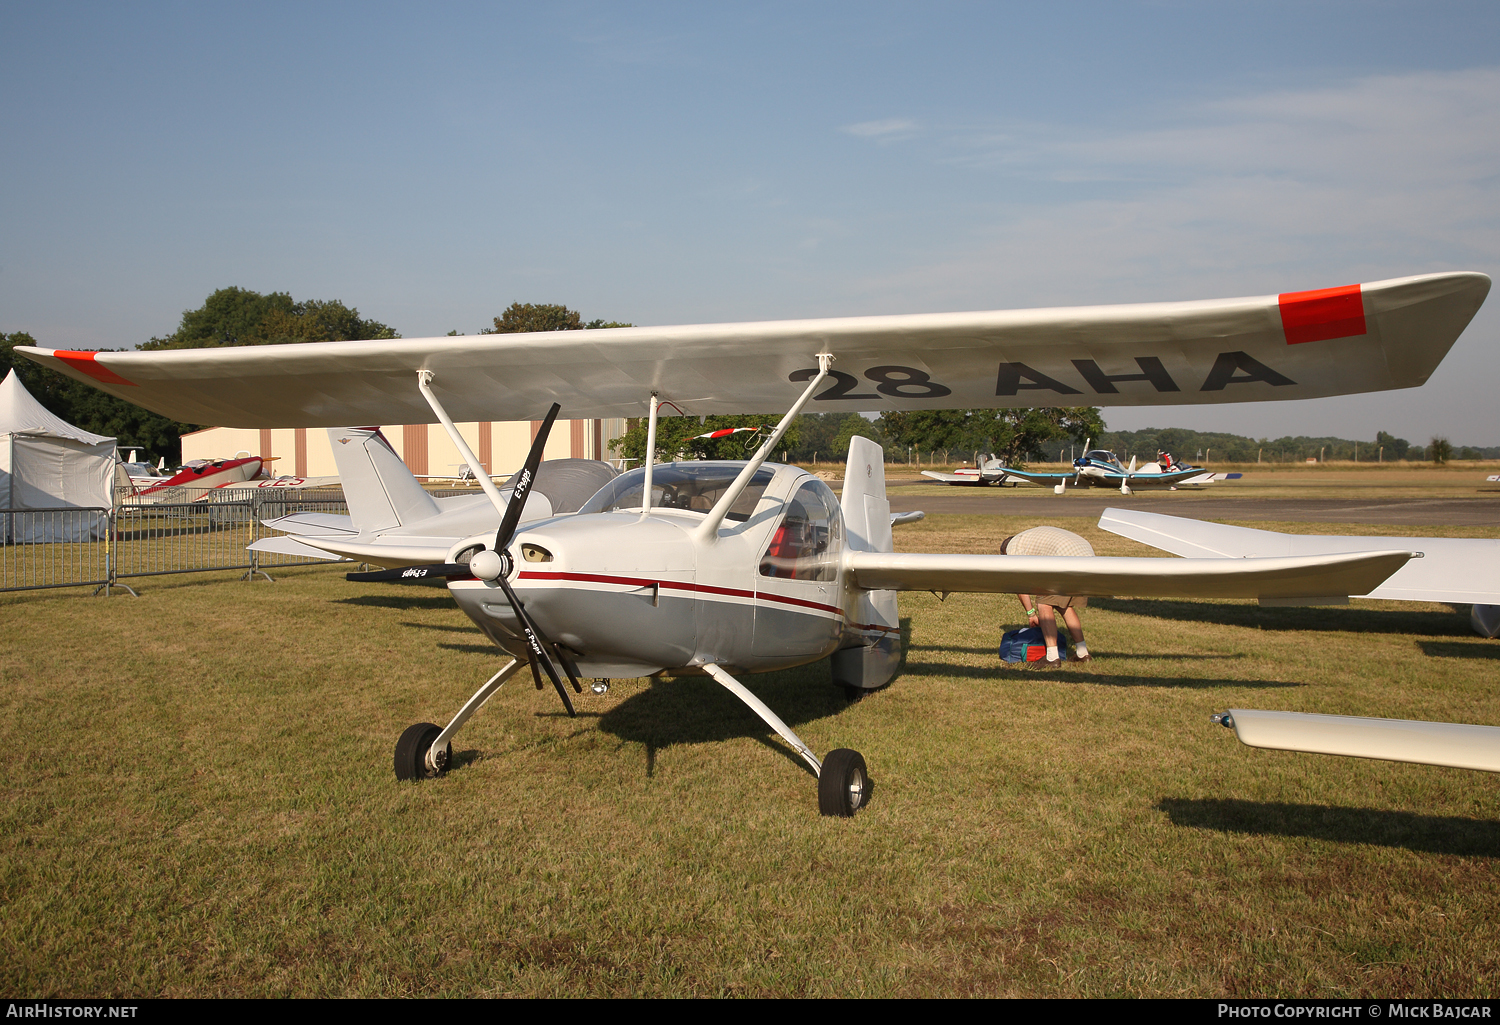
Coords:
1028,645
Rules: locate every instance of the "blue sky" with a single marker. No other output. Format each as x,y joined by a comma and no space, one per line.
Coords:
681,163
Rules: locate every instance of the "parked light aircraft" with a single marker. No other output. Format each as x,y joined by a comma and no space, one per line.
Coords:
1097,468
986,471
748,566
199,474
1451,569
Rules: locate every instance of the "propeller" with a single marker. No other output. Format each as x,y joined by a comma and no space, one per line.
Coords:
495,565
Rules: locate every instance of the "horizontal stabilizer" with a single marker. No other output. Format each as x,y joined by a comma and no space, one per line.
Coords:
1303,577
312,523
1458,745
288,546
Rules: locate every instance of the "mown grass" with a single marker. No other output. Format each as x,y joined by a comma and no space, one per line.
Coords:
198,800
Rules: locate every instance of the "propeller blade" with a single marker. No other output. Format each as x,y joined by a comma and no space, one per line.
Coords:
413,574
523,482
537,643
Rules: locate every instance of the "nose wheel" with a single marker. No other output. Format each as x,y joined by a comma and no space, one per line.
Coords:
415,758
844,783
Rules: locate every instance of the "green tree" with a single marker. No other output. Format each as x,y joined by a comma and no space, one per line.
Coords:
826,435
676,437
238,316
1440,450
229,316
519,317
1395,448
1012,434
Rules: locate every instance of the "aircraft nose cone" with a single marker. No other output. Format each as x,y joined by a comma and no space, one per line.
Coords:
487,565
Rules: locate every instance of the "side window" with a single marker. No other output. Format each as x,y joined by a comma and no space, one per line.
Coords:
805,544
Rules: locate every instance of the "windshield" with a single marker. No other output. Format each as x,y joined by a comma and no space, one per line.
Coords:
691,486
1098,455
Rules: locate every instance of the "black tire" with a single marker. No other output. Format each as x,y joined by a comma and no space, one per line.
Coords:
844,783
411,752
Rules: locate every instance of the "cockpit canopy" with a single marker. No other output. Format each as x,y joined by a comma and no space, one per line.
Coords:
694,487
1099,455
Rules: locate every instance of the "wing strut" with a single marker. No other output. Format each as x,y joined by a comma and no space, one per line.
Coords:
708,531
424,382
772,720
650,454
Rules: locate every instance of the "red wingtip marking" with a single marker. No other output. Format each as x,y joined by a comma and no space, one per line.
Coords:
1322,314
86,363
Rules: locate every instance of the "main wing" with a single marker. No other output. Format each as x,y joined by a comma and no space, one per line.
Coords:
1452,569
1272,580
1383,335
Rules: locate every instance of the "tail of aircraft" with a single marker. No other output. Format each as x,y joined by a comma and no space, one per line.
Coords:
380,491
873,630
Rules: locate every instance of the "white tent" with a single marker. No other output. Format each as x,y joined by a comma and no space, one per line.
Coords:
48,464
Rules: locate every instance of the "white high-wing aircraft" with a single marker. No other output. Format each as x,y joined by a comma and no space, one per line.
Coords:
717,568
1451,569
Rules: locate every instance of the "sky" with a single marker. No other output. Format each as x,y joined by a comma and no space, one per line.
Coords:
670,163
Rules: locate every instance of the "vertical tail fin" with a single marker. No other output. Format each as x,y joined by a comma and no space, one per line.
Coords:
867,513
380,491
872,652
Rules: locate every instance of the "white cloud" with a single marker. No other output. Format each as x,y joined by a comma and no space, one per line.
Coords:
890,128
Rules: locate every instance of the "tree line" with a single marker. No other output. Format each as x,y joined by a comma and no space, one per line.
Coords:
1233,448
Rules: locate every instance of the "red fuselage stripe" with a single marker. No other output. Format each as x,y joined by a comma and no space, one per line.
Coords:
677,585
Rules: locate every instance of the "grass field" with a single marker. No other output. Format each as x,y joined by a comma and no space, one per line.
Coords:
198,800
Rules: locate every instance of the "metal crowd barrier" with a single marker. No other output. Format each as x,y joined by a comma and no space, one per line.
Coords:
196,531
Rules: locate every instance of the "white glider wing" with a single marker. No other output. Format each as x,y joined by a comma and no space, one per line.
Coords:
1459,745
1357,338
1451,569
1323,576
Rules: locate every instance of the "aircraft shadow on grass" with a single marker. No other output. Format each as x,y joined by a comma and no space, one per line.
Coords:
1434,834
1458,649
448,628
401,601
696,710
1014,672
1299,618
478,649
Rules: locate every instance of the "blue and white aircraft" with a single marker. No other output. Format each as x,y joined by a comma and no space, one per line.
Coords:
1097,468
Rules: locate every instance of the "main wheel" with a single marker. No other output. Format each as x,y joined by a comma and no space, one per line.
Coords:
411,753
844,783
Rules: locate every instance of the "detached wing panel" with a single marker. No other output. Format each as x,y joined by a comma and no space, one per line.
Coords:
1389,334
1459,745
1451,569
1321,576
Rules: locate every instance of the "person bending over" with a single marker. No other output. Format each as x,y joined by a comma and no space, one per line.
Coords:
1042,610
